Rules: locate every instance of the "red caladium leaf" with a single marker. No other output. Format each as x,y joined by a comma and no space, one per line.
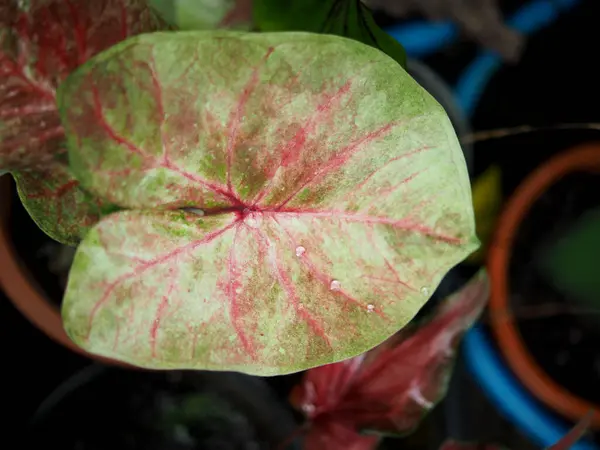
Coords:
41,42
390,388
334,191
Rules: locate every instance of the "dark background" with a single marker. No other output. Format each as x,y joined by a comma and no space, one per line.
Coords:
555,81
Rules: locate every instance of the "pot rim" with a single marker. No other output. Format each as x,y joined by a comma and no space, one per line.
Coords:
585,157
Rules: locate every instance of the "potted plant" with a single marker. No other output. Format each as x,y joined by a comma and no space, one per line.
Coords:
532,286
371,400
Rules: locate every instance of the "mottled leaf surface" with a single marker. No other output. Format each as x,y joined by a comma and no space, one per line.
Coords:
42,41
56,202
334,190
390,388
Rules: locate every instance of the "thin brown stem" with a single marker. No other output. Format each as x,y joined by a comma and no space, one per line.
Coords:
486,135
542,311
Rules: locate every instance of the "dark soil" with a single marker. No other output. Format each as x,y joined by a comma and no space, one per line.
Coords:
101,409
562,335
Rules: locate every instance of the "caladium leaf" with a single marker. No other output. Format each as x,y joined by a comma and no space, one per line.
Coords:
42,42
205,14
390,388
348,18
334,191
57,203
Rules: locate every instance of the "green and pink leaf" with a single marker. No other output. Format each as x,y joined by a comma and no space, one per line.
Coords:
333,190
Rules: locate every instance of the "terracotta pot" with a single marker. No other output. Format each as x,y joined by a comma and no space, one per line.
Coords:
581,158
20,285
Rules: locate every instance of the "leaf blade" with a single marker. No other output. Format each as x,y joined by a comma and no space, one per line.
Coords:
305,155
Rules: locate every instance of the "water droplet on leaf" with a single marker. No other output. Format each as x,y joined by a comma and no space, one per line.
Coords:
335,285
370,308
425,290
238,290
300,250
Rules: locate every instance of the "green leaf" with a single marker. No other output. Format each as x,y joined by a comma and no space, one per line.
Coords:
347,18
205,14
571,261
334,193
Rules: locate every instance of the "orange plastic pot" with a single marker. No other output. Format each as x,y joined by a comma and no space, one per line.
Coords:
20,286
583,158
